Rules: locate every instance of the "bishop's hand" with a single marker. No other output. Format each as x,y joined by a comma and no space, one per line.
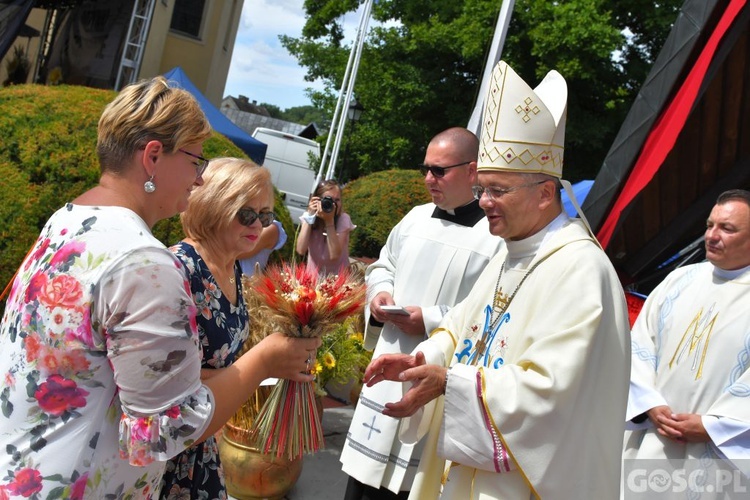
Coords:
428,381
388,367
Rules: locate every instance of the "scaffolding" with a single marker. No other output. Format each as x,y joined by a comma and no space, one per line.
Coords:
135,41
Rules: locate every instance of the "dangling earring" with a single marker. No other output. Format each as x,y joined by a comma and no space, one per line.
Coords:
149,185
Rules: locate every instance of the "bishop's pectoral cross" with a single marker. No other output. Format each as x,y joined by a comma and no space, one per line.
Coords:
499,304
501,300
481,346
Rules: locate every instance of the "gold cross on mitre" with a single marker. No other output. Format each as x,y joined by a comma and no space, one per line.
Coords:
501,299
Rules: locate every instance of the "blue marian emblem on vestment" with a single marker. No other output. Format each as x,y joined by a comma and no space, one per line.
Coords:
486,343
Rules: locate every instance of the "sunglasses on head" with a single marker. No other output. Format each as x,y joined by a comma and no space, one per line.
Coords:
438,172
247,216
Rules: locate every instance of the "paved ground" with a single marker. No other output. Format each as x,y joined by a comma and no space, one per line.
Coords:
321,477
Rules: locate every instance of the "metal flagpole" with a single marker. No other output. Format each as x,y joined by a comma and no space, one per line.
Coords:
337,110
330,154
496,50
360,42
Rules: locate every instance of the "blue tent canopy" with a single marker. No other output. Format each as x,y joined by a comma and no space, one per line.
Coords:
580,190
255,149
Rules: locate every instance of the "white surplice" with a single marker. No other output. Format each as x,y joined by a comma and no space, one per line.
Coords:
540,413
691,352
428,262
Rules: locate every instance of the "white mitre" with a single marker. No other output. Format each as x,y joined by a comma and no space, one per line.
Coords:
523,130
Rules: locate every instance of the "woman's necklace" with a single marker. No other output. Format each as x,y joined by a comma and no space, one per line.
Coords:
220,274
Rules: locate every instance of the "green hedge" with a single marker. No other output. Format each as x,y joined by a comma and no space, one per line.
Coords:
48,157
377,202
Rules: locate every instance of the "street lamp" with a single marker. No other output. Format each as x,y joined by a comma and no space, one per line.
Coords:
353,113
355,110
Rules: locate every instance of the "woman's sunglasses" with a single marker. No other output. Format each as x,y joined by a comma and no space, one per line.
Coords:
247,216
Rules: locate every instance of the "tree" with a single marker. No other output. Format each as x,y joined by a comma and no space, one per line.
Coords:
422,63
306,115
273,110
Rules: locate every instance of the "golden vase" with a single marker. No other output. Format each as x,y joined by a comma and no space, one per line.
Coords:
250,474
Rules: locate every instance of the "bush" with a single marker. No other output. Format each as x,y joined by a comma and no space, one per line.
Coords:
18,67
377,202
48,157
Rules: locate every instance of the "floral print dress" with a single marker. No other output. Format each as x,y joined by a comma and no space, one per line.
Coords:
222,330
100,366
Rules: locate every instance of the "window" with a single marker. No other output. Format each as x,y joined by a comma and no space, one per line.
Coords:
187,17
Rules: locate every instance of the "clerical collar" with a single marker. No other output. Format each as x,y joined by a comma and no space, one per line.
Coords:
730,274
467,215
528,247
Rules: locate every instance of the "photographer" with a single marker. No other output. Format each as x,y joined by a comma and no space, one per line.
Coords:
326,238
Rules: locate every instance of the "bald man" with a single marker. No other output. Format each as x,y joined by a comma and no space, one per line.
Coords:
428,264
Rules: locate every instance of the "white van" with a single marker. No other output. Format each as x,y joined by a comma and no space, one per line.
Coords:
288,161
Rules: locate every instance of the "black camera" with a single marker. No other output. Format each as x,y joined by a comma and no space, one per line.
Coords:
327,204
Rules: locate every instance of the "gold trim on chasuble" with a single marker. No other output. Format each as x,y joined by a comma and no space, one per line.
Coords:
453,336
695,337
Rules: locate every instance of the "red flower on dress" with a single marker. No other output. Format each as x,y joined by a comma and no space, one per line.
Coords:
73,361
26,482
142,429
63,291
78,488
38,254
83,332
37,282
174,412
58,395
67,252
32,345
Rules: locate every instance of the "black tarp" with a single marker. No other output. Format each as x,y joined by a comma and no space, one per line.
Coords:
667,72
657,229
13,16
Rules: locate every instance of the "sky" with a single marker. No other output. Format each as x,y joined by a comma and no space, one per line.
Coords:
261,68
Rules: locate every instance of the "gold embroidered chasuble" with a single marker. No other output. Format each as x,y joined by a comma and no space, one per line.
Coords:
541,414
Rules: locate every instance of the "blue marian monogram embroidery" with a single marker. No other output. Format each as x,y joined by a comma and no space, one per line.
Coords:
484,348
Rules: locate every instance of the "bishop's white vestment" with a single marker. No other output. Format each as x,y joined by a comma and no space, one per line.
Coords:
431,259
534,409
691,352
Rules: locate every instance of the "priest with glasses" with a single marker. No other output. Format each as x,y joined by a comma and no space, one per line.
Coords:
521,391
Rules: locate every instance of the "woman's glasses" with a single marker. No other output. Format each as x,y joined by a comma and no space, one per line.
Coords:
438,172
247,216
200,165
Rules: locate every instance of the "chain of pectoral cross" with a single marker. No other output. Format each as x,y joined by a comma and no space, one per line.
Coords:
500,303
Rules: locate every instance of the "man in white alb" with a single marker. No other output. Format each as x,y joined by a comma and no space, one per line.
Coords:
429,262
522,389
690,385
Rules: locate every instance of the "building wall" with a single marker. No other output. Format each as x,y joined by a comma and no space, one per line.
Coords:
157,38
205,60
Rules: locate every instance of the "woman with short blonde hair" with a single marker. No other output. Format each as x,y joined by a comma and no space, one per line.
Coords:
100,373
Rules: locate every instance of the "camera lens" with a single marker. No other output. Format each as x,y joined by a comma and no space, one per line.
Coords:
327,204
